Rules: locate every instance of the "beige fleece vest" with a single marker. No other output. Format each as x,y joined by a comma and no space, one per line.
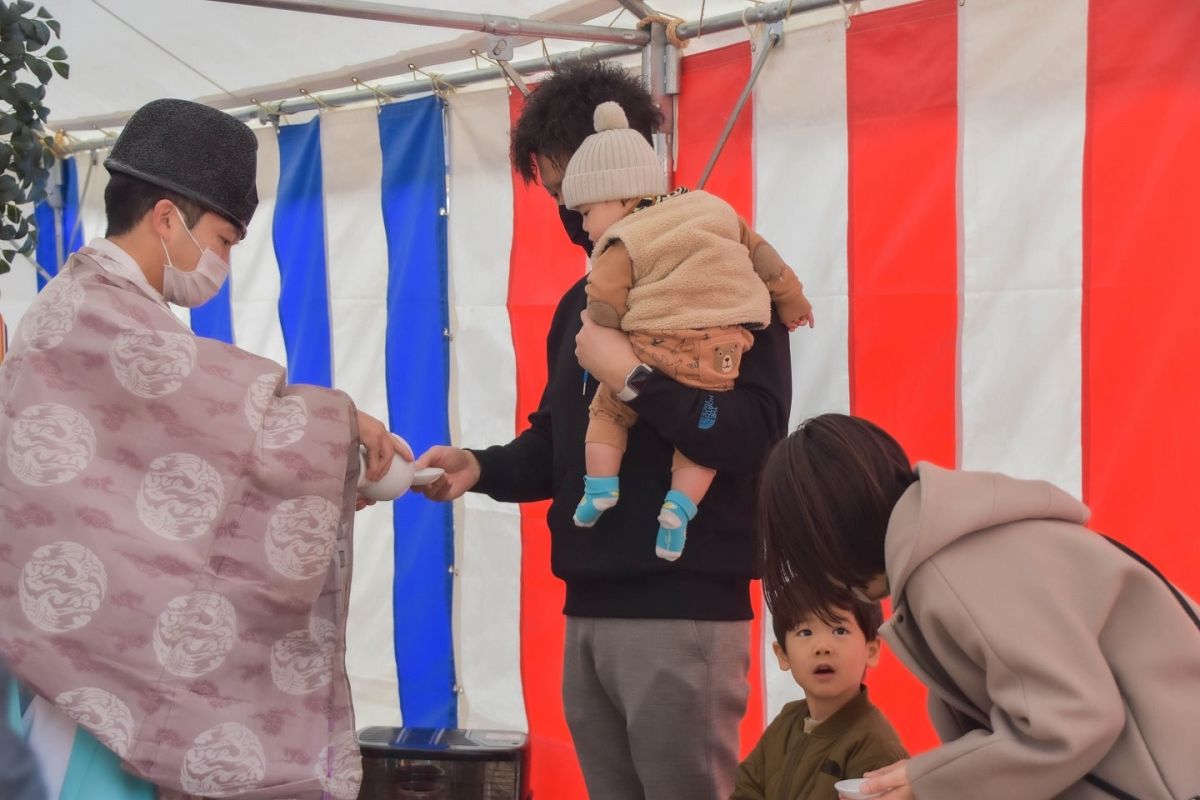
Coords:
690,268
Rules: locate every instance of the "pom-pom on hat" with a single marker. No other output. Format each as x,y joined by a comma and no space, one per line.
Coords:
614,163
193,150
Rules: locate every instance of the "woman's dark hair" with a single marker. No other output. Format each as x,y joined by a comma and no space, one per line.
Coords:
558,114
128,199
827,492
868,616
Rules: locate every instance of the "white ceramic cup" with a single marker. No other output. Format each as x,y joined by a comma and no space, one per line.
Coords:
399,478
850,789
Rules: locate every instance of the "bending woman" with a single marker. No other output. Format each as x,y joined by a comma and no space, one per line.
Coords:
1058,665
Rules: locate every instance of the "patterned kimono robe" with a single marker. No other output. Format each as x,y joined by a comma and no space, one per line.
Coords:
175,528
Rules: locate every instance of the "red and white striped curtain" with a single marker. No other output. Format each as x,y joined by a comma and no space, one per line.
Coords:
994,206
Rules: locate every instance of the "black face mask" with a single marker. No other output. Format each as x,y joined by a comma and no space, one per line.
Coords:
573,224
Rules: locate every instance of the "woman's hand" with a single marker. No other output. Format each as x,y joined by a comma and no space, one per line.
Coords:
889,783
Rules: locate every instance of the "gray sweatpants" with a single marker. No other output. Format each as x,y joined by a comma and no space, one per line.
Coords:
654,705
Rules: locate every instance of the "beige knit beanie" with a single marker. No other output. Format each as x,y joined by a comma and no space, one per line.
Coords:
614,163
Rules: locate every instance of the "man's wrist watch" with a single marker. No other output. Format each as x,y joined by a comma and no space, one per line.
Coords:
635,381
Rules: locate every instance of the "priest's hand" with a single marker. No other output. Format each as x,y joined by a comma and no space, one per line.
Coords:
380,445
461,472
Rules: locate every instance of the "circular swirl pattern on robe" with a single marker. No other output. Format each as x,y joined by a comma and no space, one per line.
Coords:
300,536
49,444
225,760
194,634
53,315
302,661
281,420
284,422
62,586
181,496
339,767
152,363
102,713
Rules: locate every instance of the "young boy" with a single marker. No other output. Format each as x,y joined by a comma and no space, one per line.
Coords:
835,733
687,279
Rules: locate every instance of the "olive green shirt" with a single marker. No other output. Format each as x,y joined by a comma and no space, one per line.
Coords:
789,764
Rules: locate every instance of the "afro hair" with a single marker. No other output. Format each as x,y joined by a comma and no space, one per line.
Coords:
558,114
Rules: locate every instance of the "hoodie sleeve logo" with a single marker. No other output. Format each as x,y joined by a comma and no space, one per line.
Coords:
708,414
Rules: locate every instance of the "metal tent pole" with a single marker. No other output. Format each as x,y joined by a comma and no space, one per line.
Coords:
397,89
753,15
637,7
668,86
487,23
656,72
769,41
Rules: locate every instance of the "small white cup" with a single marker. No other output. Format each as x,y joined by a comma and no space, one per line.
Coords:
850,789
399,478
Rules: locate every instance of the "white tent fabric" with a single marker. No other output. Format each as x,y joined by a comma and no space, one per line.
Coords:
124,53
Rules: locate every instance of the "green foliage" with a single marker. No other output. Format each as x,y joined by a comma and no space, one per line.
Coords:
26,152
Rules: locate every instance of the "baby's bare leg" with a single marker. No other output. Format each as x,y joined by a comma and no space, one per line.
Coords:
603,460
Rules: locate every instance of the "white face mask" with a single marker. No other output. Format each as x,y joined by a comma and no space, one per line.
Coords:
198,286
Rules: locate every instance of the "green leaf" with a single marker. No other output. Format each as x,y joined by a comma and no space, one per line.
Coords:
13,44
28,92
55,26
42,13
39,68
63,69
8,124
9,191
56,53
41,32
13,213
22,6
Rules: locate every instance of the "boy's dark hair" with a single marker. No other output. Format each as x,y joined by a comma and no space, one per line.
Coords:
558,114
827,492
869,617
128,199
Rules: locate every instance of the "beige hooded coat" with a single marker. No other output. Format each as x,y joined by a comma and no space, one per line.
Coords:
1049,653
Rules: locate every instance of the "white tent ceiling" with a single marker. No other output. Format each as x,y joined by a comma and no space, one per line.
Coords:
124,53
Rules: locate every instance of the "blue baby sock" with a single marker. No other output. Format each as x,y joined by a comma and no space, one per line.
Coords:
677,511
599,495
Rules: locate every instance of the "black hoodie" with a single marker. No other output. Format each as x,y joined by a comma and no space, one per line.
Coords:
611,570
